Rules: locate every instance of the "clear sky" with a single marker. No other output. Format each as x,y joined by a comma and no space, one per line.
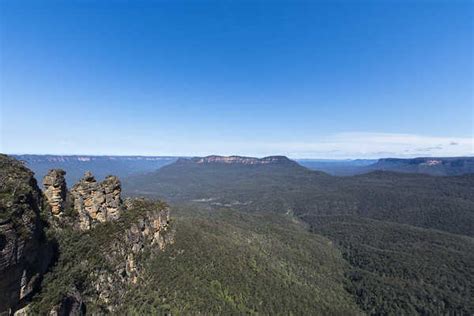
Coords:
348,79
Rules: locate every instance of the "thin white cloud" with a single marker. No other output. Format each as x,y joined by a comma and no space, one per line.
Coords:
338,146
349,145
376,145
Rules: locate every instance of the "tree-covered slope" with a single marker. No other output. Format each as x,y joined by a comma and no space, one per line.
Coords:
401,269
393,229
226,262
97,268
186,180
444,203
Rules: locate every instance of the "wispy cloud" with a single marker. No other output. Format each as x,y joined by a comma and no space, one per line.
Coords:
349,145
375,145
337,146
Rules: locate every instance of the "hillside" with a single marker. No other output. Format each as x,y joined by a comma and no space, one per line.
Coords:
394,266
397,268
444,203
225,262
435,166
451,166
222,183
273,262
346,167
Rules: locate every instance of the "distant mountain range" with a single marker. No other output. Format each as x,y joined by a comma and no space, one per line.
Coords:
101,166
346,167
285,186
436,166
125,166
428,165
238,160
405,238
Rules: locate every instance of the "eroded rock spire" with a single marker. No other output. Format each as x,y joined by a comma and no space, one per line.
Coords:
96,202
93,202
55,190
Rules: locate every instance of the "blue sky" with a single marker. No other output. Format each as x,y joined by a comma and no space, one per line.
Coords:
336,79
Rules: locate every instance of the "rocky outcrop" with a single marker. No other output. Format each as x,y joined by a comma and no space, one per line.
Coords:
96,202
109,260
149,232
92,202
55,190
25,252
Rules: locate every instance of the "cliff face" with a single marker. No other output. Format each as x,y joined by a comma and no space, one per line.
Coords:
101,242
100,266
24,251
143,238
238,160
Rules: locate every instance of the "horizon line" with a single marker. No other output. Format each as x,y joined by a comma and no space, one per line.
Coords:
236,155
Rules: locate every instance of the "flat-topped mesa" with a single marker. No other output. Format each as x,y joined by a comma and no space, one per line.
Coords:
55,190
96,202
242,160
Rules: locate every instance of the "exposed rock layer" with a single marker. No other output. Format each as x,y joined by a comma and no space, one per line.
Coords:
96,202
150,232
238,160
55,190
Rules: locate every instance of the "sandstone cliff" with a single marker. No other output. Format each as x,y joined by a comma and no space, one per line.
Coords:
100,266
145,235
55,190
101,243
25,252
92,202
238,160
96,202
